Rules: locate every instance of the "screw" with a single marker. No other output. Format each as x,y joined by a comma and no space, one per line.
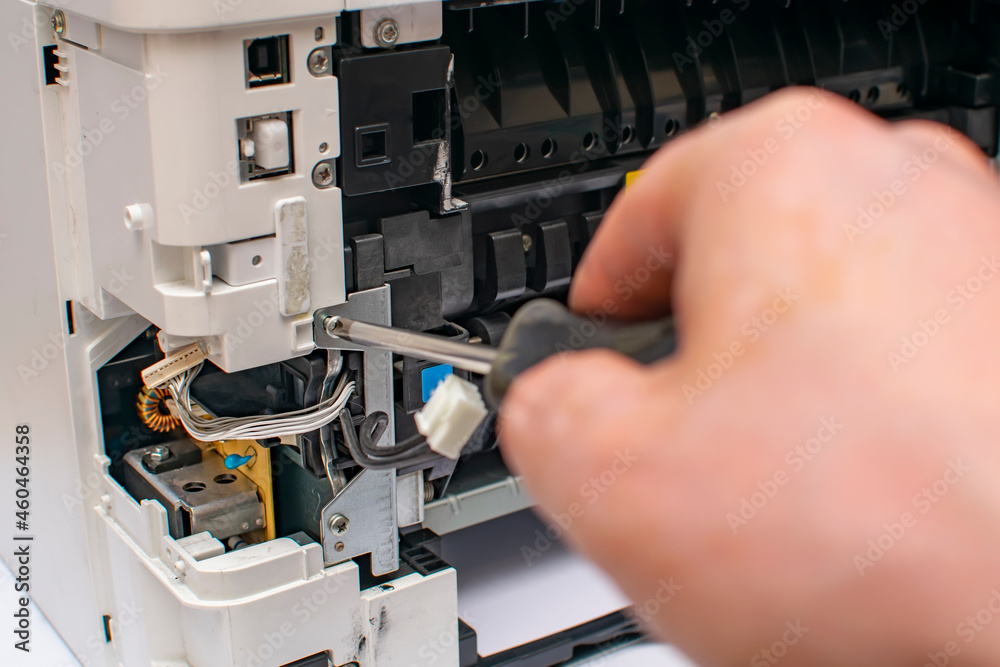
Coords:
339,546
387,33
322,175
59,22
159,453
339,524
333,324
526,242
259,522
319,62
246,525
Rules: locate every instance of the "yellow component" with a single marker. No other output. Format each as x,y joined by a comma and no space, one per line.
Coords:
258,469
631,177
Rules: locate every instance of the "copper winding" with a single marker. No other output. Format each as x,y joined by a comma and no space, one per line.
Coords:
154,411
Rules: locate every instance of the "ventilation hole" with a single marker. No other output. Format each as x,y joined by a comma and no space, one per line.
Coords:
549,148
854,96
590,141
628,134
194,487
477,160
873,94
521,152
224,479
670,129
256,260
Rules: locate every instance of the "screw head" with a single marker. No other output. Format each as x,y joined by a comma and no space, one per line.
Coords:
159,453
319,62
339,524
322,175
387,33
59,22
339,546
527,242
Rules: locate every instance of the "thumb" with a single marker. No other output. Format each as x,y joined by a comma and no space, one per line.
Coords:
564,420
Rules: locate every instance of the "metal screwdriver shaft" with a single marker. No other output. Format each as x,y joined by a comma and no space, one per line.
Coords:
466,356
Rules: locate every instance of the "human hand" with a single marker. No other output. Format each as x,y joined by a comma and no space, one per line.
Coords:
820,454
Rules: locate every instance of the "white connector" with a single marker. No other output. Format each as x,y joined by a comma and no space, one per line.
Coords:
175,364
451,416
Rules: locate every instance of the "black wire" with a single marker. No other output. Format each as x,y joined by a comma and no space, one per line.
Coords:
371,431
413,456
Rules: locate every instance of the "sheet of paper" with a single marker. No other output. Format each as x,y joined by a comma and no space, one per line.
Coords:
517,585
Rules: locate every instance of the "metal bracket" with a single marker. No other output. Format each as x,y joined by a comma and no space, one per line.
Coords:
368,502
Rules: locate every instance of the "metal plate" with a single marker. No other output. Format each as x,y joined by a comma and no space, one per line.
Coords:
369,500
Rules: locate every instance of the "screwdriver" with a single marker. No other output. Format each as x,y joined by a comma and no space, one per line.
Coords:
539,330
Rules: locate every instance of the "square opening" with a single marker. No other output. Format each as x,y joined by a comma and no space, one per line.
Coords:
372,145
429,120
267,61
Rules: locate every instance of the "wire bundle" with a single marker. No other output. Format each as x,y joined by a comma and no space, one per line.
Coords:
255,427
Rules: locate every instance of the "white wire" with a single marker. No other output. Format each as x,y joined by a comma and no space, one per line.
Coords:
256,427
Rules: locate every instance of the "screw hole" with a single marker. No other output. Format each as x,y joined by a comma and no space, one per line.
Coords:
256,260
854,96
590,141
628,134
324,147
670,129
549,148
521,152
318,34
902,90
194,487
224,479
873,94
477,160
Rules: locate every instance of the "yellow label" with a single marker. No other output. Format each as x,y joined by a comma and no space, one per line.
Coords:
631,177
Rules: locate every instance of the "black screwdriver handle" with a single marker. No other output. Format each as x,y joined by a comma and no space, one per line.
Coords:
544,328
